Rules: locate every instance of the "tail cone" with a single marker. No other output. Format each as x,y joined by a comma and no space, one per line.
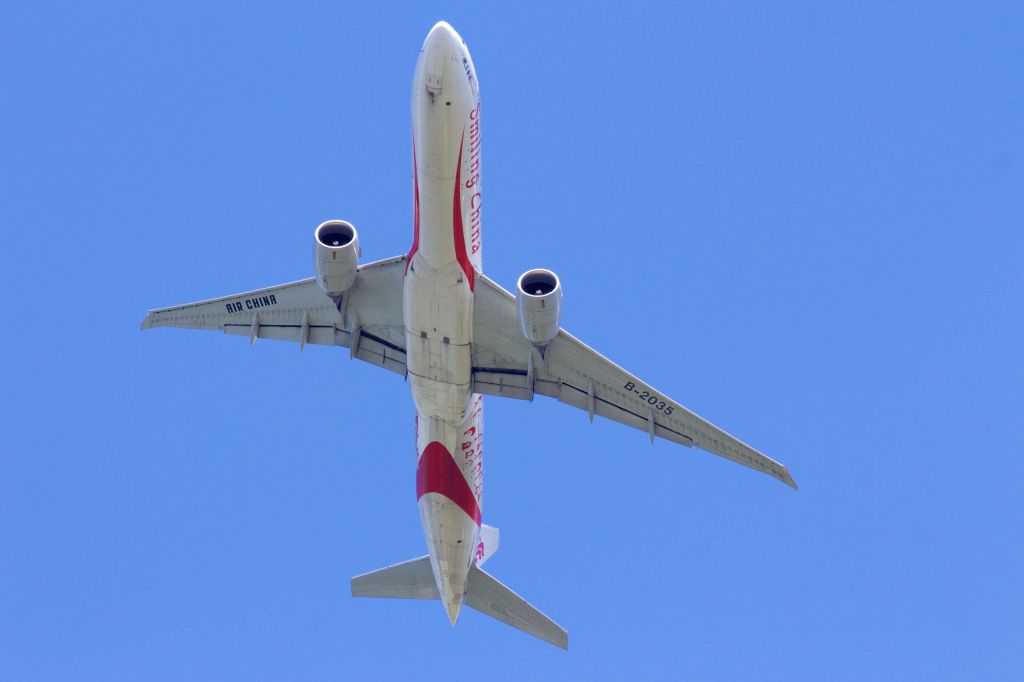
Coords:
452,606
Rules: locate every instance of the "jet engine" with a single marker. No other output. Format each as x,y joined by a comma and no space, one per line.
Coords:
335,256
538,305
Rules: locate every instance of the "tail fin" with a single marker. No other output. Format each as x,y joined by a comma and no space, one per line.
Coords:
488,544
413,579
487,595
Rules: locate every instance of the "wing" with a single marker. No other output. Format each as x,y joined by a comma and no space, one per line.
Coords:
367,319
506,364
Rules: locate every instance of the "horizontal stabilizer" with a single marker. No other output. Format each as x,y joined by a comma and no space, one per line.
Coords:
411,579
487,595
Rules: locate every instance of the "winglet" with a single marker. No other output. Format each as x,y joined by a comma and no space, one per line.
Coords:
148,322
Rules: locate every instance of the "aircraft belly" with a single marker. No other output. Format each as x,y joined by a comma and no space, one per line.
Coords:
438,288
438,310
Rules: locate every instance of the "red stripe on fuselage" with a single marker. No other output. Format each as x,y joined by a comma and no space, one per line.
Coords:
437,472
461,254
416,209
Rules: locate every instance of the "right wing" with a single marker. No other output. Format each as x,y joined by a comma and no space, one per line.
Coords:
367,319
506,364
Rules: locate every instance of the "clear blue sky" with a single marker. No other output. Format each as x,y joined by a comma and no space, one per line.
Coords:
803,221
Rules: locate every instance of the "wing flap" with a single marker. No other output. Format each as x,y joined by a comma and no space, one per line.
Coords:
320,335
380,352
508,384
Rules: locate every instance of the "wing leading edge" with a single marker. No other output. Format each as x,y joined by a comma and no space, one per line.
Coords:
367,319
506,364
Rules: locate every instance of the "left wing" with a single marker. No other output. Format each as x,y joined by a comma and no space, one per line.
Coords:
506,364
367,319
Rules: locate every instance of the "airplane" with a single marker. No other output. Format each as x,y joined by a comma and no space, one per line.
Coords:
434,317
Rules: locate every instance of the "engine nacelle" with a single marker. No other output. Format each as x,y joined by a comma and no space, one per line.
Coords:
539,305
335,256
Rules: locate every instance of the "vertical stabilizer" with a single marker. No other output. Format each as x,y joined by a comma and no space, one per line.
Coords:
487,545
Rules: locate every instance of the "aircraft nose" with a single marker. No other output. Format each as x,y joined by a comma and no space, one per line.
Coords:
442,46
442,36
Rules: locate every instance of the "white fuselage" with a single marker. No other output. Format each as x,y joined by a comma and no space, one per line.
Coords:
438,307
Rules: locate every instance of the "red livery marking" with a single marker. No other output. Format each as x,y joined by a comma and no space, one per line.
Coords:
437,472
473,183
416,209
460,233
